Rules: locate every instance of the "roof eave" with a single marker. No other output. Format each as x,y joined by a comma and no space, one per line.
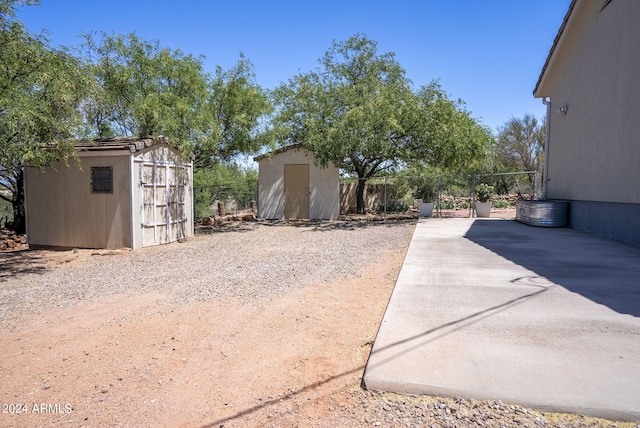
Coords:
120,143
540,84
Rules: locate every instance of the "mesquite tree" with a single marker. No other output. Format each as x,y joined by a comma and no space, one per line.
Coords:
146,89
40,92
359,111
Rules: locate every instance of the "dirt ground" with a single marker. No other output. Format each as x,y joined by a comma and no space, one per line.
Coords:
293,360
142,361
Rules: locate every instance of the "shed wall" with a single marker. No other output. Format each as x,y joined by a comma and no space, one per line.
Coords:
324,186
63,212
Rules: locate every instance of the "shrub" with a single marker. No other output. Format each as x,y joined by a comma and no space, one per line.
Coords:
484,192
501,203
392,206
230,184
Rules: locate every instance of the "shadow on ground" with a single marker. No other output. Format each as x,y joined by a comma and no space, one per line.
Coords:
15,263
604,271
344,223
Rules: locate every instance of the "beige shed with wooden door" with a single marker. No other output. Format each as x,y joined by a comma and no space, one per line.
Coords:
121,193
292,186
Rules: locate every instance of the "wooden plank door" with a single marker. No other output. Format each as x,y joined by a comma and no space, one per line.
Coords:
163,187
296,191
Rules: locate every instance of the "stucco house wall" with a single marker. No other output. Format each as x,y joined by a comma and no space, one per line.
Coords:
64,212
324,184
590,82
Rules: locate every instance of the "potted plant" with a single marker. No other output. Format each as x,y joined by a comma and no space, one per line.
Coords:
483,196
425,193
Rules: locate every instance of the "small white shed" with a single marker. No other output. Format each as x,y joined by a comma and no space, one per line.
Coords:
292,186
123,193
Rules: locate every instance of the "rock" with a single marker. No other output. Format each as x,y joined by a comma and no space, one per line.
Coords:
11,244
248,217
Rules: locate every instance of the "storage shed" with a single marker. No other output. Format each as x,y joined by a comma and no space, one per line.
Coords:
292,186
122,193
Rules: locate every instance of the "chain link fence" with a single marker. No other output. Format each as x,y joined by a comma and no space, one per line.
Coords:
224,199
451,195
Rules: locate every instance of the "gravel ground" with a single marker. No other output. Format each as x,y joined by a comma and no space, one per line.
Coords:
251,263
245,261
379,409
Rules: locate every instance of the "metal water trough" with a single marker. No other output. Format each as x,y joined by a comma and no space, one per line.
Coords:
546,213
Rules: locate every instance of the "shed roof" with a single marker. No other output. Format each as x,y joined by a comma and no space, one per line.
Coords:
280,150
120,143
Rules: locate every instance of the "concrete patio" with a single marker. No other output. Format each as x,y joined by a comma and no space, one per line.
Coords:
494,309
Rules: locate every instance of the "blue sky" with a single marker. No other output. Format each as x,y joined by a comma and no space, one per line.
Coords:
488,53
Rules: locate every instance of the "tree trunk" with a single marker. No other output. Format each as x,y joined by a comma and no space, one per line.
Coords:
19,218
360,208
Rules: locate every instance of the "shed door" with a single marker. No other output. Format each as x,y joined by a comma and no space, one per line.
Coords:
296,191
164,217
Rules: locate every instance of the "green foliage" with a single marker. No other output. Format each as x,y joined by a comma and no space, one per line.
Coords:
448,137
146,90
226,183
239,105
393,206
353,112
447,205
425,189
7,8
124,86
484,192
360,112
520,145
501,203
397,189
421,181
454,204
40,93
6,211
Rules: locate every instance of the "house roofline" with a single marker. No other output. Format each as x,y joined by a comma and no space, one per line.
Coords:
552,51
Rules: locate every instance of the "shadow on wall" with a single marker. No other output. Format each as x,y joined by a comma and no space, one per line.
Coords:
271,199
373,194
323,205
606,272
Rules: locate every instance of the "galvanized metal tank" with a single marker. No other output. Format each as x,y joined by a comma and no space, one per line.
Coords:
543,213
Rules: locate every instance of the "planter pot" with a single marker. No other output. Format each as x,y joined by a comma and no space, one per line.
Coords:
426,209
483,209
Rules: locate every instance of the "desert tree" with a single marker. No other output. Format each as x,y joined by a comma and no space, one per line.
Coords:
520,144
148,90
360,111
41,90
